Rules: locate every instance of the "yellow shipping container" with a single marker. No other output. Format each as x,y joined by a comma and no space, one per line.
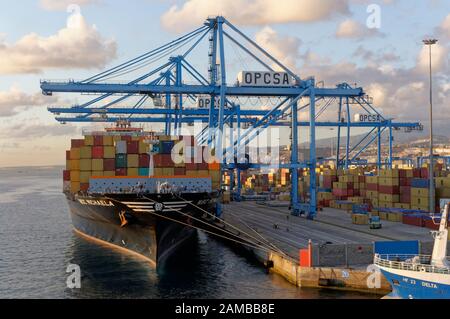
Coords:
73,165
443,192
374,202
97,164
168,171
372,179
157,171
347,179
109,152
424,208
372,194
117,138
420,201
133,160
89,140
74,187
86,152
85,165
84,177
360,219
191,173
388,181
203,173
98,173
394,217
420,192
143,147
402,205
75,176
109,173
392,173
133,171
75,153
108,140
389,198
383,215
215,176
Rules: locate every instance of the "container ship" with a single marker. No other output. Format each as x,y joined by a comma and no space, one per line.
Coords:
124,188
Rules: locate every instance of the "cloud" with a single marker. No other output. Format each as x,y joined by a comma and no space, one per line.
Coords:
14,101
283,48
78,45
443,31
355,30
20,131
252,12
59,5
439,56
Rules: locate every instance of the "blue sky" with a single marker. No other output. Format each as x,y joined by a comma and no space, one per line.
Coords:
135,26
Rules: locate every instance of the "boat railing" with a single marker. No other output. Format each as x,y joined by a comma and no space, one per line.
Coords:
420,263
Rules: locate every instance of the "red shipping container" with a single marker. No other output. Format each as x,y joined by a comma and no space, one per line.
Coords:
402,173
340,192
97,152
356,192
162,160
424,172
372,187
66,175
416,172
391,190
84,187
361,179
144,160
98,140
413,220
191,166
67,155
350,192
430,224
133,147
109,164
126,138
180,171
202,166
77,143
121,172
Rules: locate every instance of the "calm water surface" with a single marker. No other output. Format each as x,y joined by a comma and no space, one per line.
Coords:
37,244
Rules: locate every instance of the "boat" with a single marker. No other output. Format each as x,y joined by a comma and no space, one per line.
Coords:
147,214
420,276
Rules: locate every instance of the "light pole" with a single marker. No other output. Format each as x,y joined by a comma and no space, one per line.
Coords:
429,43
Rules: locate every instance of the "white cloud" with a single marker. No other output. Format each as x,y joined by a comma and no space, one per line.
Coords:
58,5
252,12
353,29
14,101
78,45
439,56
283,48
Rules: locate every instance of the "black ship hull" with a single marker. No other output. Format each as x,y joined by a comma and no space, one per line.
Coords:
154,226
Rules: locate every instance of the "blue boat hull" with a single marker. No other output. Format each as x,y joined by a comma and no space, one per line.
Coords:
413,288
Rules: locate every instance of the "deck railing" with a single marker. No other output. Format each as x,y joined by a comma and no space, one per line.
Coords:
409,262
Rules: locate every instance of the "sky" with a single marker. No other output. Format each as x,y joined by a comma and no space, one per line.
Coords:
333,40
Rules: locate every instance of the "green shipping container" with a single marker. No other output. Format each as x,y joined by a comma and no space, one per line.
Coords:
121,160
144,171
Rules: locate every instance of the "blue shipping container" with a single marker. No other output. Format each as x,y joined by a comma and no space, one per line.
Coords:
144,171
166,147
420,183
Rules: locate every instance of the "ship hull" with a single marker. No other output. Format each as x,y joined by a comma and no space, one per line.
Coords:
417,285
131,222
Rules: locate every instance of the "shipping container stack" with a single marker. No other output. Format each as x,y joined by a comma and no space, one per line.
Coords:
108,155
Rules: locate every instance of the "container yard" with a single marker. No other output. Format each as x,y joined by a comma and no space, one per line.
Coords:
318,222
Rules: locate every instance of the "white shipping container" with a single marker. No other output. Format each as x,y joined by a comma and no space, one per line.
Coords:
265,79
121,147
